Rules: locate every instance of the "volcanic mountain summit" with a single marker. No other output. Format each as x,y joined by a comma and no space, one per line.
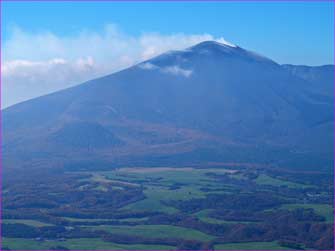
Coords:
210,103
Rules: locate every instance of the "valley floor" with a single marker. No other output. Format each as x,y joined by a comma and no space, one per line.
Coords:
169,208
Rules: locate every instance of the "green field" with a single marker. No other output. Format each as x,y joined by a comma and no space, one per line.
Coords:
76,244
164,176
148,198
264,179
183,193
155,194
150,204
156,231
94,220
250,246
203,216
159,182
320,209
33,223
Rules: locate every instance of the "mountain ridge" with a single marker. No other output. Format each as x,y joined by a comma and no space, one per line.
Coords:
212,102
209,42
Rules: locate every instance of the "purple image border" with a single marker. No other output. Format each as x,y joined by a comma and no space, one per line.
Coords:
182,1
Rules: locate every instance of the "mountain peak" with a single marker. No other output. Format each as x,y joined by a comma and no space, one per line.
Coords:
226,48
207,49
216,47
211,44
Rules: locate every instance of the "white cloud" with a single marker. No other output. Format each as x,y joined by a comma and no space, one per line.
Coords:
24,79
225,42
176,70
35,64
23,68
148,66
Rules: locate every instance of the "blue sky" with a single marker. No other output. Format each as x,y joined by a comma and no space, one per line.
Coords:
289,32
48,46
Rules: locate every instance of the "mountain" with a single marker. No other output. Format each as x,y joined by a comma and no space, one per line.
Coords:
210,103
321,78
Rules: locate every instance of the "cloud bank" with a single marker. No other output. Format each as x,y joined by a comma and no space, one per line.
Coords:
173,69
35,64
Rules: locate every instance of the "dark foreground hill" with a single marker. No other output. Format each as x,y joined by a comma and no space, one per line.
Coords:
211,103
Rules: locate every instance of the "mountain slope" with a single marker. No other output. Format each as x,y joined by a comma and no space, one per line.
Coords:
208,103
321,77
